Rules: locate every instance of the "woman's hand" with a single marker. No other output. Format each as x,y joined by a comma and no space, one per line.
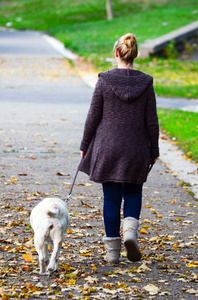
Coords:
153,160
83,153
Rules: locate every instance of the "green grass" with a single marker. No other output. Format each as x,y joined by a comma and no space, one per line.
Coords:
172,78
83,28
184,127
97,38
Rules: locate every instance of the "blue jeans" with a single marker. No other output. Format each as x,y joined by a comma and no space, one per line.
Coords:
113,193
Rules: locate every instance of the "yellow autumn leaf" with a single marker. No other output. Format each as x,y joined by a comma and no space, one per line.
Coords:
86,254
66,267
14,179
72,281
167,238
28,256
188,204
142,230
147,221
192,265
146,226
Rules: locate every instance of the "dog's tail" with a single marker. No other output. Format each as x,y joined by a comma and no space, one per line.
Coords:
53,211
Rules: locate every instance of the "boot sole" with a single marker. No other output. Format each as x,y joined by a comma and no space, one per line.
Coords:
133,252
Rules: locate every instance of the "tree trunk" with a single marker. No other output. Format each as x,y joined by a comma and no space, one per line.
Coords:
109,10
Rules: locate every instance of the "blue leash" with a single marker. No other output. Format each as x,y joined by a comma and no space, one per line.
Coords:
149,169
67,200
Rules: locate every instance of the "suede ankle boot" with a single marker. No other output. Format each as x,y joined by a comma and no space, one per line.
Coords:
112,247
130,231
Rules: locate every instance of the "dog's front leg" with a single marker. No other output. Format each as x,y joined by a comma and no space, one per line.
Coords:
53,265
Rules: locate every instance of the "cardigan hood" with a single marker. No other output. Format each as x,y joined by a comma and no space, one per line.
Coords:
127,84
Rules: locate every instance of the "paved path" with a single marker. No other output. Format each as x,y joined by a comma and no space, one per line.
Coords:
43,108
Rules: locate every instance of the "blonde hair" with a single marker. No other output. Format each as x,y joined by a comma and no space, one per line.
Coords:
127,47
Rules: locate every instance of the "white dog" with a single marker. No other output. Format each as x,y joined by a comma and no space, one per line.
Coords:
49,220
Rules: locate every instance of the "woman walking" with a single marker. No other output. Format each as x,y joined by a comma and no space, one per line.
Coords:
119,143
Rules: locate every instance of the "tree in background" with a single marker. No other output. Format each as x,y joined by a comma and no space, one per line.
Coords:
109,10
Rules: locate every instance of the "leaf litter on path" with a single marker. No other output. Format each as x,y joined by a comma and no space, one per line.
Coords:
168,233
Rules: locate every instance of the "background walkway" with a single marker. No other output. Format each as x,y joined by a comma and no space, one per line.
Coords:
43,109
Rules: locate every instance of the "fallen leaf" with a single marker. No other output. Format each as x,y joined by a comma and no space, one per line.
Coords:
159,216
192,265
60,174
28,256
143,268
191,291
72,281
90,279
88,184
32,156
142,230
152,289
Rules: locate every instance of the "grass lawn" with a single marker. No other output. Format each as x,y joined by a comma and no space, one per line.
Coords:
172,78
82,27
184,127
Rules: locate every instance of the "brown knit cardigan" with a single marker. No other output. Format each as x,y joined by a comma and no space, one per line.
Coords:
121,130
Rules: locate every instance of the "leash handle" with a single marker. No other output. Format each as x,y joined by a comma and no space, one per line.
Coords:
67,200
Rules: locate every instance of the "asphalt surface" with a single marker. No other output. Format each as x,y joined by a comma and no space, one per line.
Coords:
43,109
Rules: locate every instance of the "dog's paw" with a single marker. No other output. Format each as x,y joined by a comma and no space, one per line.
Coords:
42,270
42,273
49,271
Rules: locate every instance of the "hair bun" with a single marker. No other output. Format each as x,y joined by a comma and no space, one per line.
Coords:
127,47
129,40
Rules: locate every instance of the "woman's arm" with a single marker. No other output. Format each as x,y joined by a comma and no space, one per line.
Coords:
152,124
94,117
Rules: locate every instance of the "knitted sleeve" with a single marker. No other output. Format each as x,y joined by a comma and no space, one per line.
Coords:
152,125
94,117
